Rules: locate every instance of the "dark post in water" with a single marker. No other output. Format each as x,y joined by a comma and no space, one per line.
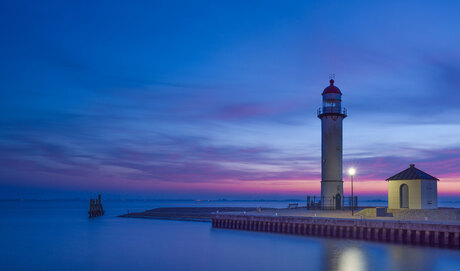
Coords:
95,207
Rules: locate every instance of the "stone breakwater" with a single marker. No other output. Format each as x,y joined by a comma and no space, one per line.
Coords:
188,213
391,231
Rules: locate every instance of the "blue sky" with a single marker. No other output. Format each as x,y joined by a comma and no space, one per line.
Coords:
211,99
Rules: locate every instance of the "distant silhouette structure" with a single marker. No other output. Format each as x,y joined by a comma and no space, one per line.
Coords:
95,207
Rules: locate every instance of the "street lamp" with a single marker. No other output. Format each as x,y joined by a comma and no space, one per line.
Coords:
352,172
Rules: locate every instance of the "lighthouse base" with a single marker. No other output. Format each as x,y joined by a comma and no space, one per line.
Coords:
332,195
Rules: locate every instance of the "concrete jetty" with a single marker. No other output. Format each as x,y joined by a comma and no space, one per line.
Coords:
189,213
422,233
439,228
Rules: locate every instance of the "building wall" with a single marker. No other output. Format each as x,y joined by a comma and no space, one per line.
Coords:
415,193
429,194
331,148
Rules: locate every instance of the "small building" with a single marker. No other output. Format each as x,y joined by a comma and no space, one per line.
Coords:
412,189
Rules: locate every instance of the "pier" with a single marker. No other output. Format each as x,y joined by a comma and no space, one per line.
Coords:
389,231
435,228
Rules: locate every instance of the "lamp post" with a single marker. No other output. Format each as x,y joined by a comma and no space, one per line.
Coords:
352,173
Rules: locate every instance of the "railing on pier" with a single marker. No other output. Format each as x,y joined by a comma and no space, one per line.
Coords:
331,203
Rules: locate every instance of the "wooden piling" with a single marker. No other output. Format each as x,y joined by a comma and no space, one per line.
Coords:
95,207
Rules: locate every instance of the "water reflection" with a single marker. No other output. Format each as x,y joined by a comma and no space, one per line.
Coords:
352,259
344,255
410,258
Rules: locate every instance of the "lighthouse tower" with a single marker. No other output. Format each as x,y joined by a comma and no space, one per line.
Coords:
331,115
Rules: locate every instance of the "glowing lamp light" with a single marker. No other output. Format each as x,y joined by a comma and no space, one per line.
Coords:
351,171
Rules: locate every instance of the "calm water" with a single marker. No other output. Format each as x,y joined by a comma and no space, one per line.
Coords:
59,236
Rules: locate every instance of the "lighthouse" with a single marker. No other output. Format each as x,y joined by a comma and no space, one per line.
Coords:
331,114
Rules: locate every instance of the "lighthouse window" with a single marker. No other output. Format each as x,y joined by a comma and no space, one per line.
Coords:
329,104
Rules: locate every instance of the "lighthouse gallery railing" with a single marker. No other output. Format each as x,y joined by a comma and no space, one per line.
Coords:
332,110
331,203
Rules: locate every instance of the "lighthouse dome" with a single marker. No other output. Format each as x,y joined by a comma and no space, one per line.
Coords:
332,89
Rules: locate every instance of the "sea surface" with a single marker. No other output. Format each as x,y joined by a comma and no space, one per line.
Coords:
58,235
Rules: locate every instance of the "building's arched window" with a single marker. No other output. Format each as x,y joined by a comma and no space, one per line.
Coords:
404,196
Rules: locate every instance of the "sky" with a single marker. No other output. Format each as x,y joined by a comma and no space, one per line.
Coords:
218,99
